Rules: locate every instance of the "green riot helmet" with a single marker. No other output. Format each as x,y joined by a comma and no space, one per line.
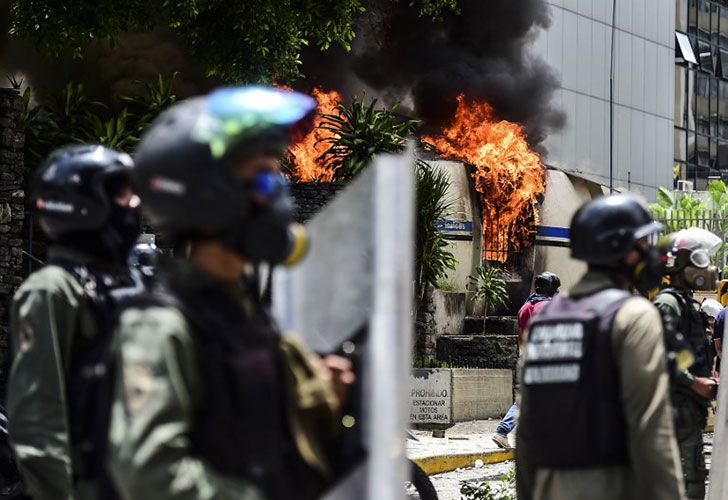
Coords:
687,253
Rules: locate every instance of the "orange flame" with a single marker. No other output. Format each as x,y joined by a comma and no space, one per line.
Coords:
508,175
307,149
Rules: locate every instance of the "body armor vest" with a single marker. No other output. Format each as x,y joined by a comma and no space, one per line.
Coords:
242,429
572,410
90,379
692,325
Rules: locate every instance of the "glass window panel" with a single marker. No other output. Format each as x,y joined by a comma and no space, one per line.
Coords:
724,63
683,173
713,106
704,19
690,115
692,16
705,57
680,96
716,61
701,178
724,26
690,173
723,155
723,110
714,17
692,156
702,108
681,15
680,145
713,154
703,149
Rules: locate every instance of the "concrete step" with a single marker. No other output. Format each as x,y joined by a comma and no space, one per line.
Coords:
478,351
496,325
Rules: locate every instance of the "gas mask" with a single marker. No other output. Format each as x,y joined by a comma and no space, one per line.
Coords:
268,233
123,230
646,273
705,279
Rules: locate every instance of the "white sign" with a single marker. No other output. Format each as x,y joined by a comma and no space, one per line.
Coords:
430,396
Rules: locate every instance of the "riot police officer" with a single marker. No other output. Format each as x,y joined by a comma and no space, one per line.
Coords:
595,417
212,402
61,323
687,263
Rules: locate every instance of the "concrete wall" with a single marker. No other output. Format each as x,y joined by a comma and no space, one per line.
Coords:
480,394
465,245
578,46
449,314
564,195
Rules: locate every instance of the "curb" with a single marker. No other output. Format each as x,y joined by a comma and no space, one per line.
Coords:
447,463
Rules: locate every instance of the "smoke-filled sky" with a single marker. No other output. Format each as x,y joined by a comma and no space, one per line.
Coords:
482,52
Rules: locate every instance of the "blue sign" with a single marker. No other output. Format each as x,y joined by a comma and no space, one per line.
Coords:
454,226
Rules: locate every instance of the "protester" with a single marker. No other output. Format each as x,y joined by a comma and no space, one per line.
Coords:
546,286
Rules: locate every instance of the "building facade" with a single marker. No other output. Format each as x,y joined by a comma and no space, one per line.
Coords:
586,44
701,91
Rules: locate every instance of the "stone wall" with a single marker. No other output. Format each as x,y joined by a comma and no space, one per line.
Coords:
481,351
12,202
312,196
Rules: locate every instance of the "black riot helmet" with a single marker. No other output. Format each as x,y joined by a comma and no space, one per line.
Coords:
604,230
547,283
185,170
73,195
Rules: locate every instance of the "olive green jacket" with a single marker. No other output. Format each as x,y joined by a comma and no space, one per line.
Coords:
668,304
159,389
654,472
47,315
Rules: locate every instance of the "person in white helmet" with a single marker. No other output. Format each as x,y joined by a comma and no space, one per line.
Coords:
711,308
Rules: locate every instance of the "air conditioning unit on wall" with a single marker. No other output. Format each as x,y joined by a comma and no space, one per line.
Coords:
685,186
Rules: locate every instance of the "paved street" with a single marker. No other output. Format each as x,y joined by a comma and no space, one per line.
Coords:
464,437
468,436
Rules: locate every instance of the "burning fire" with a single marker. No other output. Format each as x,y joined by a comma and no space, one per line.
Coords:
307,149
507,173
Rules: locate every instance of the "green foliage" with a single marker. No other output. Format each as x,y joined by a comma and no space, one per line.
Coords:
446,286
71,118
673,209
718,195
359,132
248,41
435,8
488,284
505,489
432,259
429,362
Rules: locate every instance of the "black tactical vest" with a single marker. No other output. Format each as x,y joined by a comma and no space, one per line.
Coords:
692,325
242,428
572,413
90,379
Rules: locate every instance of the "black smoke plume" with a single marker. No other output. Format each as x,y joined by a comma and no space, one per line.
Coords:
481,52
